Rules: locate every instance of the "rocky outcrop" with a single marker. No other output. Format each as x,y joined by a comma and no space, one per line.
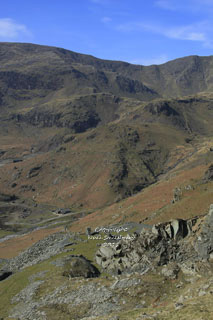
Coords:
174,229
161,108
204,243
163,244
20,81
177,193
42,118
7,197
208,176
131,86
33,172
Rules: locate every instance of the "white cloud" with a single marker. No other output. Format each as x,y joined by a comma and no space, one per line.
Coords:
196,32
185,33
9,29
147,62
106,19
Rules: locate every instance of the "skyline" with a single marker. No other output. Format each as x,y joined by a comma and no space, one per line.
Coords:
138,32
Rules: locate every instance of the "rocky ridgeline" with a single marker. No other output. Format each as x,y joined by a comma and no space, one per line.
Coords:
181,243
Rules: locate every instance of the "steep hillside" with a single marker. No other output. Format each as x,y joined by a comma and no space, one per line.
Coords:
81,132
122,151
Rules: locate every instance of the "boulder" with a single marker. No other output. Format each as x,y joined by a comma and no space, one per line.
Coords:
79,266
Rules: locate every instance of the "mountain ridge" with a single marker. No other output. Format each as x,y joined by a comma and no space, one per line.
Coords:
190,63
79,111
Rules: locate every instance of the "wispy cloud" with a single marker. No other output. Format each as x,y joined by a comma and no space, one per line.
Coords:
185,33
149,61
184,5
11,30
194,32
106,19
166,4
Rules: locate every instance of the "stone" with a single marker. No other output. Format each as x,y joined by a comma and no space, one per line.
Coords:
204,243
88,231
40,251
79,266
155,230
106,251
177,193
178,306
170,271
169,231
180,228
125,283
33,172
208,176
63,211
181,299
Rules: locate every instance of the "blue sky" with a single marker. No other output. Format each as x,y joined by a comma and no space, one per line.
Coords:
137,31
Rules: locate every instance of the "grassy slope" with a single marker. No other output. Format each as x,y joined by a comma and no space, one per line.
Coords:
159,294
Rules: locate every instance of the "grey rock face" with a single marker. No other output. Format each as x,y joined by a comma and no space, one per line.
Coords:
152,248
204,243
129,254
174,229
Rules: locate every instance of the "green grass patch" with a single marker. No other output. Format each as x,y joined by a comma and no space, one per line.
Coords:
17,282
4,233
